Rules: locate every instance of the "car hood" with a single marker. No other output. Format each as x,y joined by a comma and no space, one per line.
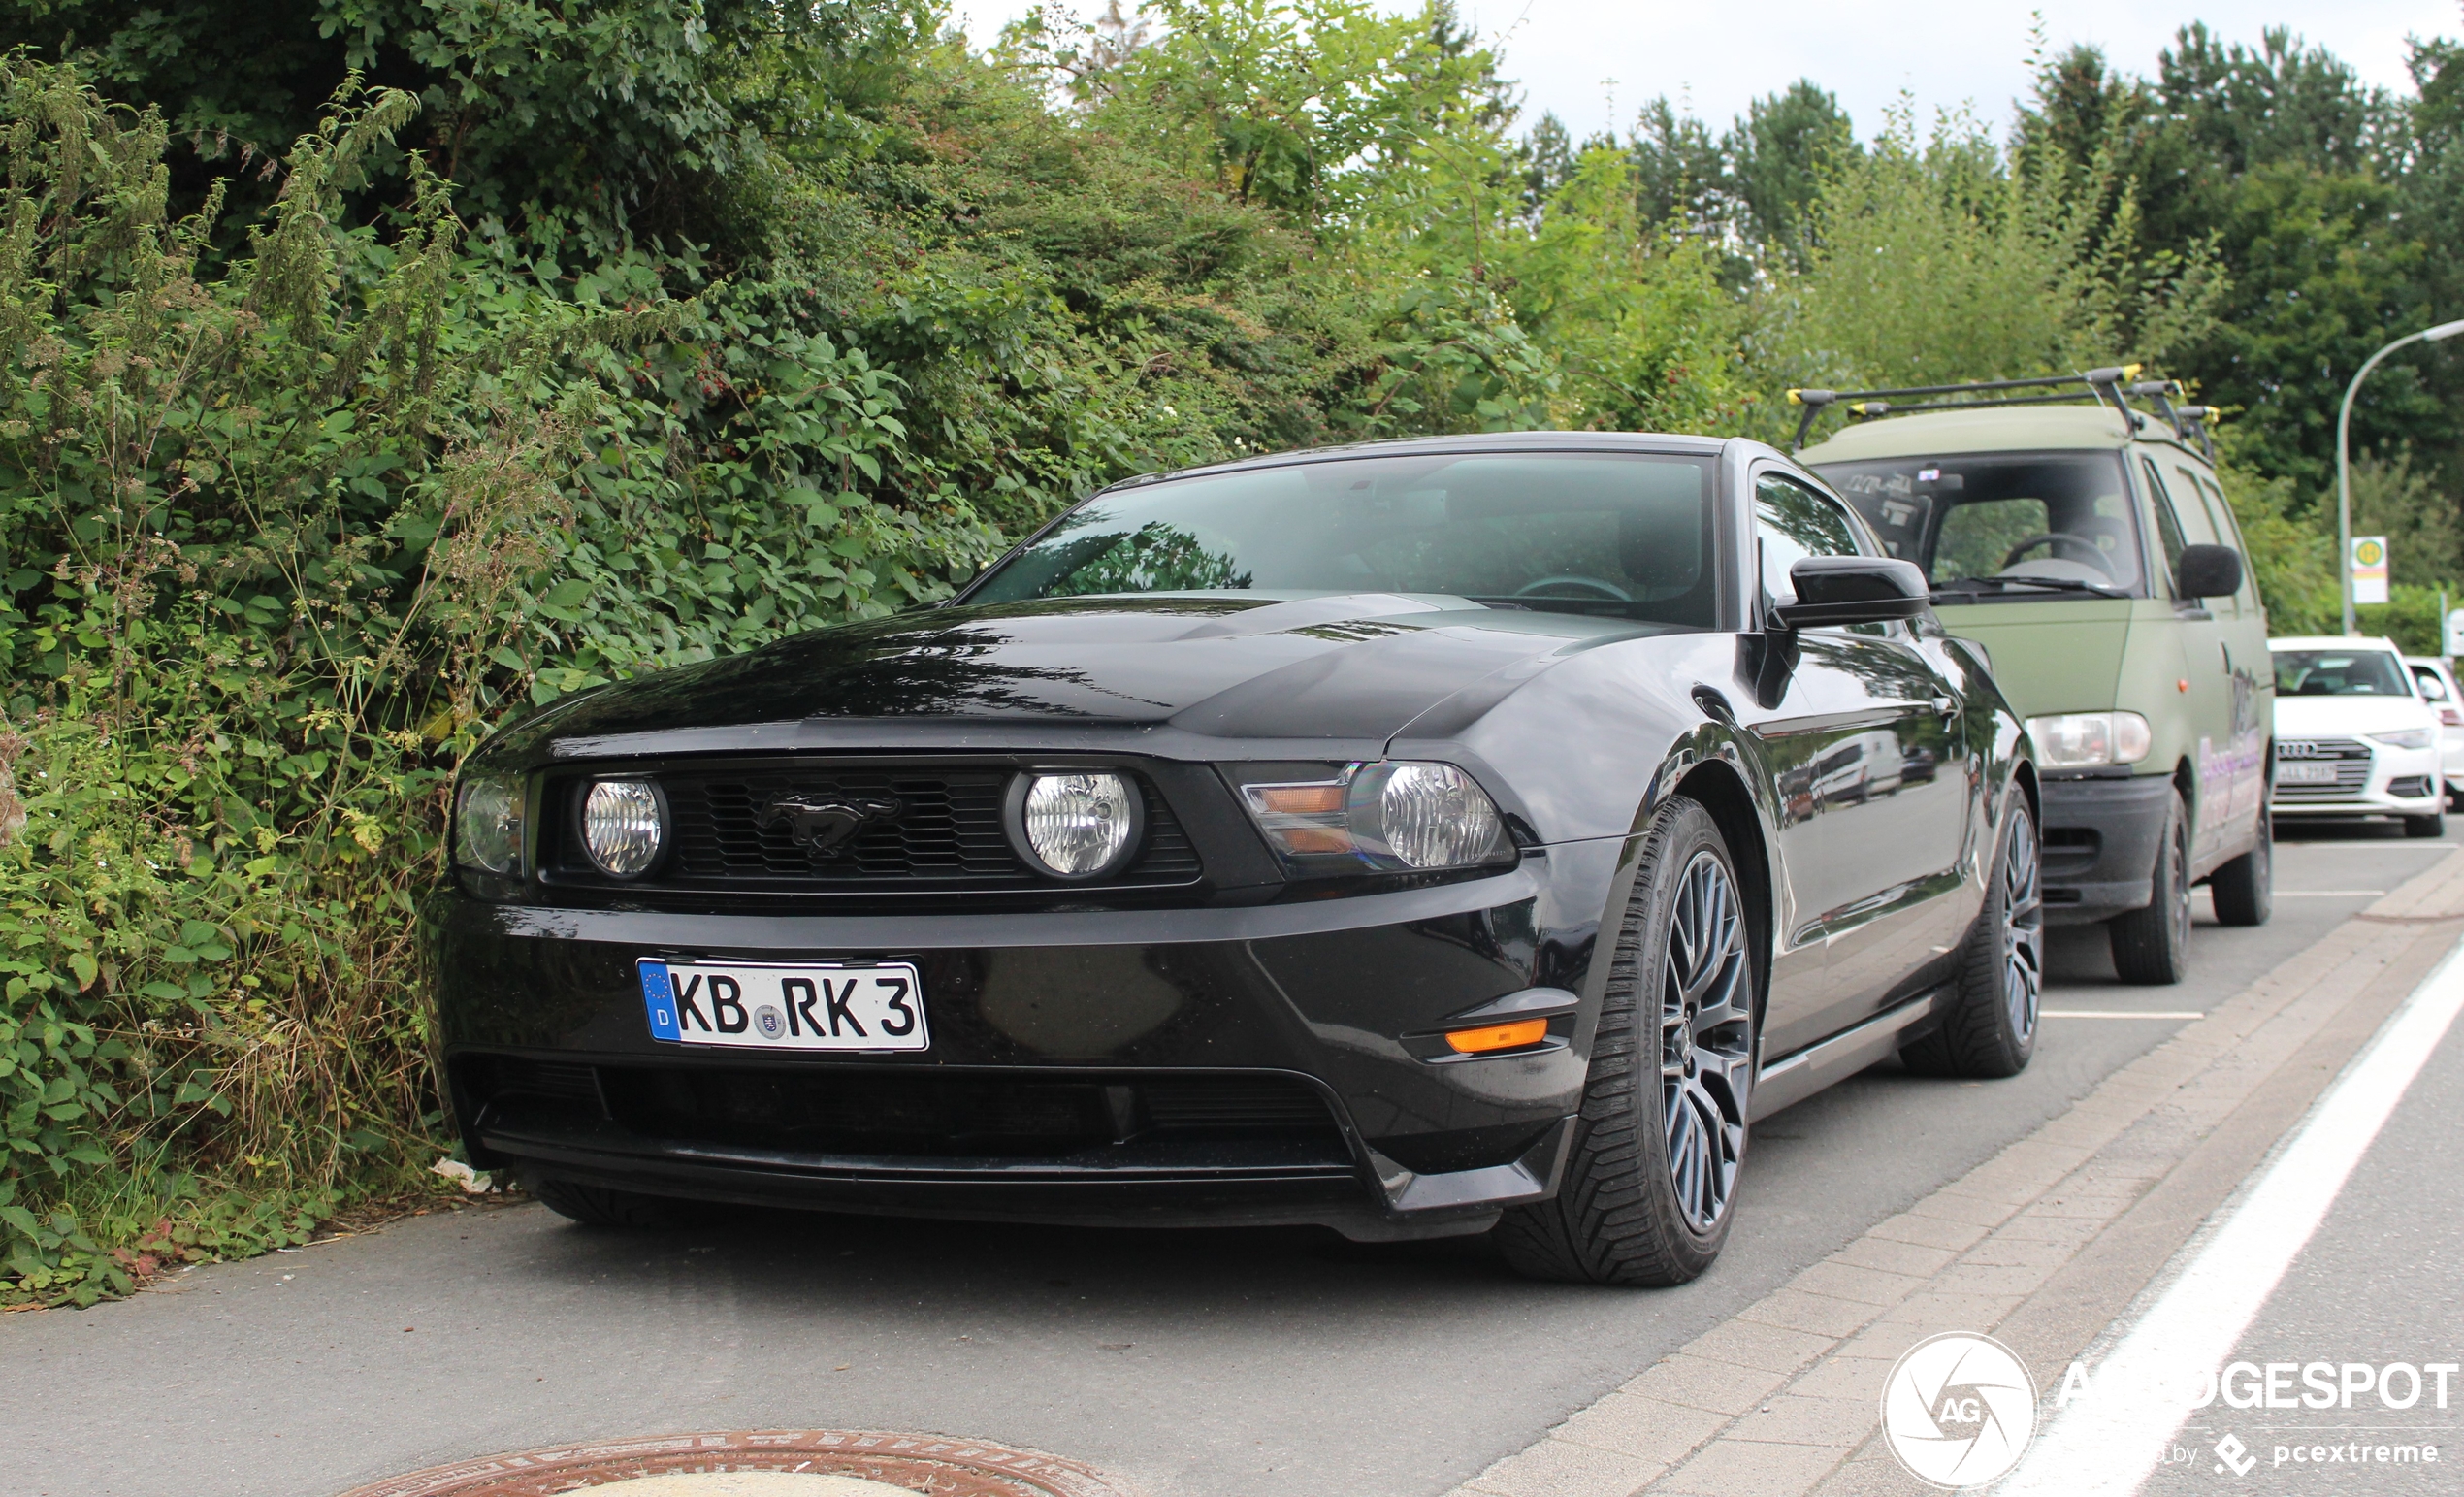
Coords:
1351,665
2319,717
2061,655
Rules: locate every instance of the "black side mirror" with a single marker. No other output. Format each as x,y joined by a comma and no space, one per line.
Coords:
1853,590
2208,571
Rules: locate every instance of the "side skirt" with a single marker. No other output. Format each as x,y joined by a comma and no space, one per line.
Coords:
1800,1074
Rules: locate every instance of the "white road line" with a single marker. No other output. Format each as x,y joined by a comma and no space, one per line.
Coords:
2108,1444
2121,1013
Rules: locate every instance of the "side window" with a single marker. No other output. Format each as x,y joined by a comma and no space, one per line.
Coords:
1791,522
2168,521
2228,532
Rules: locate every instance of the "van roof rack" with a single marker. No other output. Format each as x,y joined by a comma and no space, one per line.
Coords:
2104,385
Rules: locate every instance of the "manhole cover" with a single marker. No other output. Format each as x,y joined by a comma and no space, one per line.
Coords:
760,1463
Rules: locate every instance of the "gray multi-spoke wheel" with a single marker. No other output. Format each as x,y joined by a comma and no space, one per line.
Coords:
1706,1053
1649,1191
1989,1022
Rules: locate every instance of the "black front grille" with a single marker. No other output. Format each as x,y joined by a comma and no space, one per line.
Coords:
944,832
2350,756
833,1112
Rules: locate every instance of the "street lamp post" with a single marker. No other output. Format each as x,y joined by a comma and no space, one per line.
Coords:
2344,474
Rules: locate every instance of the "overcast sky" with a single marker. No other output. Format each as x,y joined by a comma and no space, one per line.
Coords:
1945,52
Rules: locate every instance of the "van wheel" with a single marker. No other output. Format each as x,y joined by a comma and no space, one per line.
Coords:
2153,945
2431,826
1989,1028
600,1206
2243,890
1650,1184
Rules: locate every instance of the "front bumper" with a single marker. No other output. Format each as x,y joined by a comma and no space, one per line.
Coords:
2102,835
2372,779
1263,1064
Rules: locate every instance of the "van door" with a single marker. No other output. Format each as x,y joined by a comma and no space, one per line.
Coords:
2253,674
2205,686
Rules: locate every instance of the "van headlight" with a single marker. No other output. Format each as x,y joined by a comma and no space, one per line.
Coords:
487,823
2084,740
1391,816
2403,737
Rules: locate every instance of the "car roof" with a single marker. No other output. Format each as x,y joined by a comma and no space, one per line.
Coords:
1993,429
1665,444
2335,642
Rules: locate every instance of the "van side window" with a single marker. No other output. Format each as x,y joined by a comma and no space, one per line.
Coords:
2168,522
2228,531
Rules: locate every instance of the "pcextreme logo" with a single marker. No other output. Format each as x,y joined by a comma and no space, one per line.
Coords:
1957,1410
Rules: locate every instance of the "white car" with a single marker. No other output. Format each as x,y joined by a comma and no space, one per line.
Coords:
2437,685
2353,737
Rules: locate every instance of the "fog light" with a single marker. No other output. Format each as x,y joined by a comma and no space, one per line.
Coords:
622,827
1076,824
1497,1036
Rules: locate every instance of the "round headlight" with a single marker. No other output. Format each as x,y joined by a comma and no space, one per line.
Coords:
620,826
1078,824
1432,816
488,824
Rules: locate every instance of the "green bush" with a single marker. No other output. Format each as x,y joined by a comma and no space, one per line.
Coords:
279,536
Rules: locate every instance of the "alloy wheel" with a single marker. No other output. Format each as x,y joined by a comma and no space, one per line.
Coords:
1706,1041
2023,932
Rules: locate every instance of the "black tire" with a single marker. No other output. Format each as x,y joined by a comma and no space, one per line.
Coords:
2153,945
1649,1190
600,1206
1989,1030
2433,825
2243,890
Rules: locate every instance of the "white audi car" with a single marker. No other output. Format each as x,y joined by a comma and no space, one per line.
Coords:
2354,735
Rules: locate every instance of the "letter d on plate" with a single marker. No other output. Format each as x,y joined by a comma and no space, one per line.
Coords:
659,998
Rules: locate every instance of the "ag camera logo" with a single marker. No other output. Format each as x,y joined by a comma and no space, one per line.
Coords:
1957,1410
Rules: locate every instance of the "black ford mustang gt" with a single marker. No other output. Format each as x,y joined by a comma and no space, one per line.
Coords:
1418,838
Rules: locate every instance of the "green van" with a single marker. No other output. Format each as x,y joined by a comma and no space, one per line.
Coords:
2091,552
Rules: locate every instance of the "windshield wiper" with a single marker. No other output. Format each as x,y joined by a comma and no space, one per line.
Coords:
1974,587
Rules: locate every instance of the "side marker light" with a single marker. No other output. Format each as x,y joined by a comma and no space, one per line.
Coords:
1497,1036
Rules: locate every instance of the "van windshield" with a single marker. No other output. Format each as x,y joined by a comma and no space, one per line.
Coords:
2339,674
1627,536
2003,525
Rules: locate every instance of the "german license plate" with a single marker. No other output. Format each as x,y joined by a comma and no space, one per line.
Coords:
2295,772
874,1006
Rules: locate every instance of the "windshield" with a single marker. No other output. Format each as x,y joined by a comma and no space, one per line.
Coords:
2004,525
1626,534
2339,674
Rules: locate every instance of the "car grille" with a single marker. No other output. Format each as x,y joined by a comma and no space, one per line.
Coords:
2350,756
947,833
821,1110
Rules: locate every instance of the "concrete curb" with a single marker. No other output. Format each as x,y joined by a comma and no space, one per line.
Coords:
2044,1245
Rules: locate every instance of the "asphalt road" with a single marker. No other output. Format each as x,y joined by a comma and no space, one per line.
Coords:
1196,1364
2380,1282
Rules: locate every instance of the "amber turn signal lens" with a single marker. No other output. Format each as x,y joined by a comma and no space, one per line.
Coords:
1497,1036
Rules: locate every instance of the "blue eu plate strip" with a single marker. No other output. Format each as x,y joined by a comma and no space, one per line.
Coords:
659,998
